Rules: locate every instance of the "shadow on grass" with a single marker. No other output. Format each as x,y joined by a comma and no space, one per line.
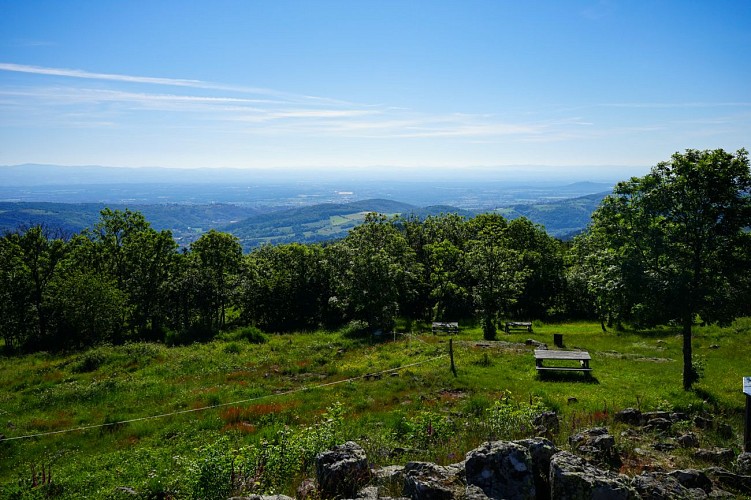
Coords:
651,333
707,396
564,376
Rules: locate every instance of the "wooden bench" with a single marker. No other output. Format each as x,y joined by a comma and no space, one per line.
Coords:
518,325
445,327
582,357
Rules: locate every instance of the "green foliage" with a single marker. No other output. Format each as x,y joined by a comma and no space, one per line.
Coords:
210,476
89,361
425,429
508,419
267,466
249,334
674,244
355,328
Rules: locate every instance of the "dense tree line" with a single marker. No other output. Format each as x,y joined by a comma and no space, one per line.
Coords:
122,280
672,246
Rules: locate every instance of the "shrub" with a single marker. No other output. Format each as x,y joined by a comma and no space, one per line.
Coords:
355,328
425,429
211,475
89,361
232,348
248,333
507,419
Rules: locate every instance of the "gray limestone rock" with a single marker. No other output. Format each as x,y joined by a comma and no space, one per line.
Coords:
572,478
427,481
342,470
502,470
660,486
743,464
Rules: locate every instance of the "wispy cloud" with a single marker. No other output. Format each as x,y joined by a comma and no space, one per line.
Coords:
119,100
173,82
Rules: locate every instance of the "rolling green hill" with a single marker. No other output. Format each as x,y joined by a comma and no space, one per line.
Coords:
186,221
321,222
562,219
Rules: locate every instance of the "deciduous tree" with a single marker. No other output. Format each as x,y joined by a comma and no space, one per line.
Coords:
682,230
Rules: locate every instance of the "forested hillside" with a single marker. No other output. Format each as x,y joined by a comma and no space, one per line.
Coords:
185,221
255,226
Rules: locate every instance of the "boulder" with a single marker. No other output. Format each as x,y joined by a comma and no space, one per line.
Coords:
572,478
678,416
688,440
630,416
475,493
649,416
658,424
391,476
547,422
703,422
715,455
729,480
502,470
342,471
306,489
665,447
725,430
659,486
541,450
597,444
743,464
536,343
692,478
428,481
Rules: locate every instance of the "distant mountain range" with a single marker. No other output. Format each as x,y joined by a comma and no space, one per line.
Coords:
307,224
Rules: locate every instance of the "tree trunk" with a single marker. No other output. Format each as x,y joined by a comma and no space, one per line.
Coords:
689,375
488,327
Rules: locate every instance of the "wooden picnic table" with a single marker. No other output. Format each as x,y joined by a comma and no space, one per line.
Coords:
518,325
582,357
445,326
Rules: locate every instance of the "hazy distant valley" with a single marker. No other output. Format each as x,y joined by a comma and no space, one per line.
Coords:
266,207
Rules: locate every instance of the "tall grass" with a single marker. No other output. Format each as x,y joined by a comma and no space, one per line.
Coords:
238,404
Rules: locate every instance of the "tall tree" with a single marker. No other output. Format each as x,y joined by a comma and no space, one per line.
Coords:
449,281
216,257
497,270
374,272
542,258
16,307
284,287
41,256
139,260
683,231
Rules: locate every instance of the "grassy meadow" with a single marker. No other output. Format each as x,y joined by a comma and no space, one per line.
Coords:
256,413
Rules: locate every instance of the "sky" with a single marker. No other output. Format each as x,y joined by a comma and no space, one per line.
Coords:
344,84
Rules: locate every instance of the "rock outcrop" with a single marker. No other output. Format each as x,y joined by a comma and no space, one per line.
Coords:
342,471
571,478
502,470
519,470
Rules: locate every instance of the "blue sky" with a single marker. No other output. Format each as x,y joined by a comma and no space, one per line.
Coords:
359,83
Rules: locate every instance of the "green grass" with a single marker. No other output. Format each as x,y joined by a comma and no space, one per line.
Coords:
279,384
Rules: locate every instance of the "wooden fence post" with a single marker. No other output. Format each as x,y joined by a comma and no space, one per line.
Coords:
451,355
747,420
